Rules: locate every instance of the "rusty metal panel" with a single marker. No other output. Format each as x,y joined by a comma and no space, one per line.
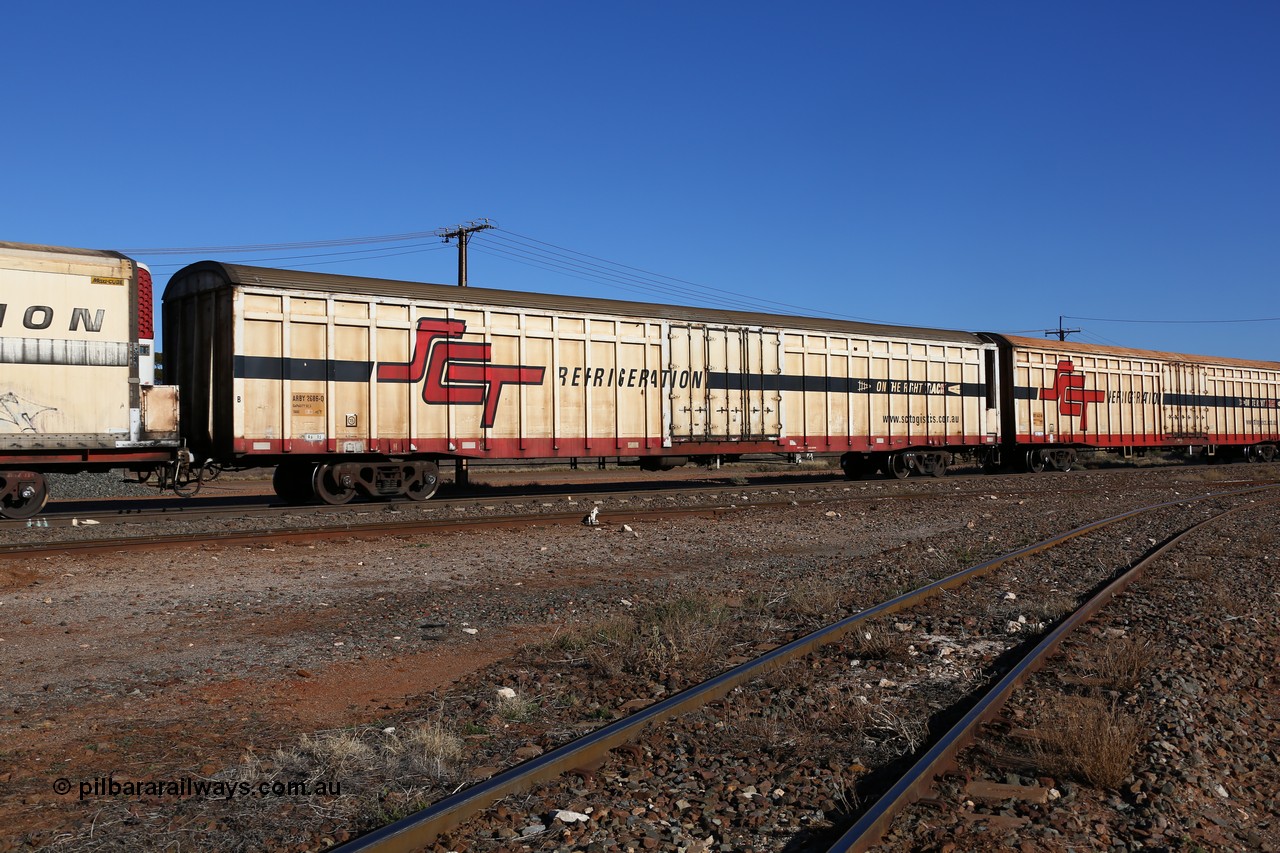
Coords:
160,412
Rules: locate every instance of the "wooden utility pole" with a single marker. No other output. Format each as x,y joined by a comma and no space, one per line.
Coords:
462,233
1061,332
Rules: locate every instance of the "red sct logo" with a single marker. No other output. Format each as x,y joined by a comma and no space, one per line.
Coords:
1068,390
458,372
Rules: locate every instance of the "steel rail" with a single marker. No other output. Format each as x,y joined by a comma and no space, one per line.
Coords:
351,530
416,831
918,780
145,509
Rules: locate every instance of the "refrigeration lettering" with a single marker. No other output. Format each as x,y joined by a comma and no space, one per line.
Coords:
629,377
40,317
1144,397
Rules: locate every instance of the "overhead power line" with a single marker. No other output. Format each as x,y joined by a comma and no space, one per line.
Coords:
591,267
364,255
511,246
272,247
1174,322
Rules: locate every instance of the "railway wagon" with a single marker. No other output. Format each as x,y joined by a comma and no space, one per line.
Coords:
1064,396
76,391
363,385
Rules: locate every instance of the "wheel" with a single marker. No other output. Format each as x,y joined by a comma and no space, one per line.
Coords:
426,479
1035,461
849,464
896,466
1267,452
855,465
1066,461
330,490
32,495
292,483
940,466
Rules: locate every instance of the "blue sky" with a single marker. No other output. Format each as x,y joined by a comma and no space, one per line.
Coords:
985,166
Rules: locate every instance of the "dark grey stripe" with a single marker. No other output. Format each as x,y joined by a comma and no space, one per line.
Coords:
303,369
840,385
1212,401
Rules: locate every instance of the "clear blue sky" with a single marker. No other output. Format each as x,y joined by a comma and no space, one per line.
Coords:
985,166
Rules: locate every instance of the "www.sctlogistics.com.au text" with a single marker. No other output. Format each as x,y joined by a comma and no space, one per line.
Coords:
192,786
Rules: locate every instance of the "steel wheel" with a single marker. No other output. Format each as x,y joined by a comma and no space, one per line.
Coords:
292,483
896,466
1035,461
426,479
33,494
855,465
328,489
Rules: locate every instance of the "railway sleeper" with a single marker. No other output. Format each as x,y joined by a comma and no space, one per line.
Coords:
337,484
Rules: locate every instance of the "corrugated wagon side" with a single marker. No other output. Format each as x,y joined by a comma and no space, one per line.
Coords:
1063,396
351,384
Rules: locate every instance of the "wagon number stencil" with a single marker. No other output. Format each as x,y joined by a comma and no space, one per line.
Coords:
458,372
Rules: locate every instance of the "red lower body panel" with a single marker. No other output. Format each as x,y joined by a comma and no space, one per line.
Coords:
547,448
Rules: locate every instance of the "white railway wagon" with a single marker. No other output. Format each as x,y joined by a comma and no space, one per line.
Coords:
354,384
1062,396
76,389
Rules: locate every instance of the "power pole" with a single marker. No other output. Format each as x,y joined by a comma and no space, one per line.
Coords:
1061,332
462,233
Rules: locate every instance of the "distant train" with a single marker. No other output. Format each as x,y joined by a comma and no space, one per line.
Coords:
363,386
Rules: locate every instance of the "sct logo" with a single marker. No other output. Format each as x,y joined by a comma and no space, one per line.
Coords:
458,372
1068,390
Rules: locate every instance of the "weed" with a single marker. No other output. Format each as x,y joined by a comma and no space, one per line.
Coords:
1090,740
1122,665
874,642
909,730
517,709
687,635
819,598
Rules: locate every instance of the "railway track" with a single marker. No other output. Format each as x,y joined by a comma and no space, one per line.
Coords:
421,830
89,527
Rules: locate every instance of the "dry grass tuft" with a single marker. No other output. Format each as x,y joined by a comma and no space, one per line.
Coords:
806,721
364,759
688,635
820,598
875,642
1123,665
1090,740
517,709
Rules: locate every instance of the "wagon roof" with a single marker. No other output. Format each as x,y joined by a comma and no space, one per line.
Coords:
188,280
62,250
1069,347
